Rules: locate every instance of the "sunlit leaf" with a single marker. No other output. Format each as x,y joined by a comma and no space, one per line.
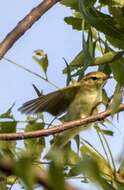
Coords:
108,57
104,166
91,168
120,172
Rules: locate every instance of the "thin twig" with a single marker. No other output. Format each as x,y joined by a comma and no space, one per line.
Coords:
103,146
110,152
59,128
32,72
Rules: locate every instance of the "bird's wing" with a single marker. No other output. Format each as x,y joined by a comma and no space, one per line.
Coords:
54,103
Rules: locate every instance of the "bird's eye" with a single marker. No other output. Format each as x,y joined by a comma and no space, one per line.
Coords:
94,78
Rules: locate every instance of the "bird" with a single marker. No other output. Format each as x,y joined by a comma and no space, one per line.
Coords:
77,100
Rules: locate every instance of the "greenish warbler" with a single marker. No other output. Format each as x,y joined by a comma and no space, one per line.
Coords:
78,100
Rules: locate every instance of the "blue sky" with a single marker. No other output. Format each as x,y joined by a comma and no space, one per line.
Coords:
57,39
51,34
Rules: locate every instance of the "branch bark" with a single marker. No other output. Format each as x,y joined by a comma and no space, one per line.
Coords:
59,128
24,25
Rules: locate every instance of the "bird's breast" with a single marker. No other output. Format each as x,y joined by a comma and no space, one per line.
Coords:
83,103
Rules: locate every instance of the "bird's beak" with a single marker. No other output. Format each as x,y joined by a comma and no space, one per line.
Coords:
110,77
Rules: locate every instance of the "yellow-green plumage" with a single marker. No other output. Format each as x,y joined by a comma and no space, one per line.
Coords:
79,97
77,100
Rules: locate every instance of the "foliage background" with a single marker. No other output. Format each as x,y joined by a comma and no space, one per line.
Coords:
58,40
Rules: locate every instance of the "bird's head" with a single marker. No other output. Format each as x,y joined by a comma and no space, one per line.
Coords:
94,79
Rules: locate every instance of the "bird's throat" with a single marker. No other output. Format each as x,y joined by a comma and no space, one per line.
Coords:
84,104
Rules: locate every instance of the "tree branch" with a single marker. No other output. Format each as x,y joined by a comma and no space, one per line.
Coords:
24,25
59,128
7,165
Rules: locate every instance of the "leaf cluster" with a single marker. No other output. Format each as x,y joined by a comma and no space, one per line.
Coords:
102,28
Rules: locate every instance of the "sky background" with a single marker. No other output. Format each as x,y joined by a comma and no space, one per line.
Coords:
58,40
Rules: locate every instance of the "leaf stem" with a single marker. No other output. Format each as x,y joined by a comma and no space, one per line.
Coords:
109,150
32,72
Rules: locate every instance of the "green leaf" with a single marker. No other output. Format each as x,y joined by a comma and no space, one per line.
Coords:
23,169
69,78
90,166
104,167
73,4
34,146
70,157
108,57
116,9
115,42
104,2
88,51
77,140
117,98
61,140
117,68
76,23
8,113
55,173
107,132
105,98
3,185
56,177
104,131
75,171
8,127
42,59
8,147
99,20
65,155
76,62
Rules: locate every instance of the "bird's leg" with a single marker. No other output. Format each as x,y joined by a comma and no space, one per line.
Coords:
95,109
